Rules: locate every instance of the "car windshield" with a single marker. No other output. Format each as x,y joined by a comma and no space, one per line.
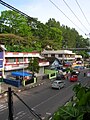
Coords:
57,82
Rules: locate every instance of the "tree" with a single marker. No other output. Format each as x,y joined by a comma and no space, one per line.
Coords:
15,43
34,65
16,23
54,34
53,23
69,37
36,35
84,54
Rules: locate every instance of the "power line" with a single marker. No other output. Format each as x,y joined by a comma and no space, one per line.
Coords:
82,12
75,15
32,111
16,10
66,15
10,104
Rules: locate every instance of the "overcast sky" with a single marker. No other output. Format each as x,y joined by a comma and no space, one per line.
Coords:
67,14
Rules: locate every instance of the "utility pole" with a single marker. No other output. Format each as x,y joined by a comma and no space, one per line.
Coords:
10,104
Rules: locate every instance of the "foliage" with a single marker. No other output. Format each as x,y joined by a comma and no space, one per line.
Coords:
15,23
34,65
79,107
84,54
22,34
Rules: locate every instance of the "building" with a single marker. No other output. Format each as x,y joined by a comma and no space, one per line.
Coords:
19,61
62,55
54,63
2,60
78,61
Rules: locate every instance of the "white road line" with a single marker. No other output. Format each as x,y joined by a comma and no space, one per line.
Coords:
3,107
51,97
47,113
19,112
19,115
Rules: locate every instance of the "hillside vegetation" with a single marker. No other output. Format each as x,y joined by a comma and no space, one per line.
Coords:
18,33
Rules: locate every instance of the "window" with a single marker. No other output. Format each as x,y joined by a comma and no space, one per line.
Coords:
11,60
60,55
20,59
52,55
46,55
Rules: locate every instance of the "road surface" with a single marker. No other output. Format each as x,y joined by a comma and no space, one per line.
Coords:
42,99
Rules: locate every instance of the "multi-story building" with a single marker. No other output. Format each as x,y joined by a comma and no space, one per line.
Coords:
65,55
19,60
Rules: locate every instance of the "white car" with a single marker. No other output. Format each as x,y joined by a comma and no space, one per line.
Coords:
58,84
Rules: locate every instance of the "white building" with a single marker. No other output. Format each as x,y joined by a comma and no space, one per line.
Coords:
65,55
19,60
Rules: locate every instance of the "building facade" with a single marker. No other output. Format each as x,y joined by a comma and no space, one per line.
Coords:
19,61
65,55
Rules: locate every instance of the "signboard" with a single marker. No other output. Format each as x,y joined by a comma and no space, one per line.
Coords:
1,59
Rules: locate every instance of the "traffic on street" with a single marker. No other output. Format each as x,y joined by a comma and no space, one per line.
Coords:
42,99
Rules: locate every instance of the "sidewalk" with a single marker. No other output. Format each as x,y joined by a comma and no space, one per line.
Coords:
4,87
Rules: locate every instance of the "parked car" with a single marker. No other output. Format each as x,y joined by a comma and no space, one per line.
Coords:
79,68
67,64
60,77
73,78
88,74
58,84
75,72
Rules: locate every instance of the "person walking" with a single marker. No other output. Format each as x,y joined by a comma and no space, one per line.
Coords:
67,75
84,74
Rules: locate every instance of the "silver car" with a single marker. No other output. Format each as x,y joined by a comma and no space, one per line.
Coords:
58,84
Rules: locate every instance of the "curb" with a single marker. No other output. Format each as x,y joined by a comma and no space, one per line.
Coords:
22,89
29,87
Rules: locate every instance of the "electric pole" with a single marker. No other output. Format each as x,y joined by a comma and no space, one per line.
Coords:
10,104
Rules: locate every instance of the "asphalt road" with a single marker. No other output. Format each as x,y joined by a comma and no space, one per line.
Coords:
42,99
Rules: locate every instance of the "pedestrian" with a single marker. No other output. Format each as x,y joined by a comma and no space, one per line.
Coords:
67,75
84,74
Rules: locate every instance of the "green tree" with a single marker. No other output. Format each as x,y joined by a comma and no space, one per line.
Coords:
53,23
34,65
54,34
36,35
69,37
84,54
16,23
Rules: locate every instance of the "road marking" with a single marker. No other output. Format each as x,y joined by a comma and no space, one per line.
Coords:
43,118
19,115
47,113
51,97
3,107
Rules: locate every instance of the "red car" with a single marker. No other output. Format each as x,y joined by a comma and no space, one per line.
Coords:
73,78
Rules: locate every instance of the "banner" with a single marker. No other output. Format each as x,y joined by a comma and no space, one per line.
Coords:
1,59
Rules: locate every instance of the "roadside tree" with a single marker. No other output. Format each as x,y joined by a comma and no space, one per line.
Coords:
34,65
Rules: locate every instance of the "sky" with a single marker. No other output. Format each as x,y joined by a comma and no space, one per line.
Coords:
67,12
